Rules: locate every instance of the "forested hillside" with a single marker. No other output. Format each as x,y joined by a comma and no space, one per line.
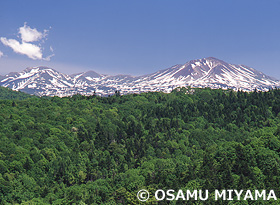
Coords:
7,93
103,150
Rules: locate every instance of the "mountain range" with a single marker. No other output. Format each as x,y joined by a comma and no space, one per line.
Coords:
206,72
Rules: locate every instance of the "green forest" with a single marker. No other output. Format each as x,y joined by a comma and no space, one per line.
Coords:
103,150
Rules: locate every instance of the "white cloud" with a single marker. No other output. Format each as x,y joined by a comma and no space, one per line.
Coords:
1,54
31,34
25,47
32,51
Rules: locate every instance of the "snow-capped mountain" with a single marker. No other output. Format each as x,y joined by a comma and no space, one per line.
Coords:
38,81
210,72
206,72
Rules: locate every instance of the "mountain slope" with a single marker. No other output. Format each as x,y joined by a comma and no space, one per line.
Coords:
206,72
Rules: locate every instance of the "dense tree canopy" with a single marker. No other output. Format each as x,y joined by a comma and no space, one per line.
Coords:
102,150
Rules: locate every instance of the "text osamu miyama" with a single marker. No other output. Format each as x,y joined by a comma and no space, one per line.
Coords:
203,195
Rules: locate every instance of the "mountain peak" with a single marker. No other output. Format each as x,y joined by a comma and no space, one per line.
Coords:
212,59
92,74
38,68
209,61
216,60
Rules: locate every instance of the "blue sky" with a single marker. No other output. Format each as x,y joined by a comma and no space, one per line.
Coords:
140,37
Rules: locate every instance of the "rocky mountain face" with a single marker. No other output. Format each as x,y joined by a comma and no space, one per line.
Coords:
206,72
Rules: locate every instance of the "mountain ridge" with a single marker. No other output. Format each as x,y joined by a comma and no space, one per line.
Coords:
206,72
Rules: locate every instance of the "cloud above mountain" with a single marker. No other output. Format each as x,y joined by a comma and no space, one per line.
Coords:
30,35
30,43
